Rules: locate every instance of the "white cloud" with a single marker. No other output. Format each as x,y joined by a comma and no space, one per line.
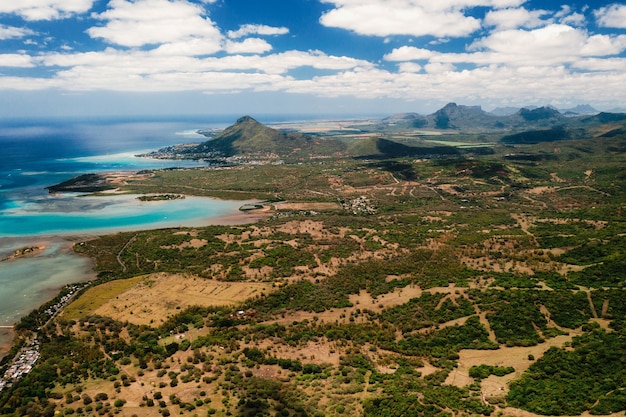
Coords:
603,85
613,16
188,47
408,17
247,30
248,46
11,32
515,18
438,67
135,70
45,9
409,53
409,67
566,16
153,22
16,61
550,45
603,64
523,56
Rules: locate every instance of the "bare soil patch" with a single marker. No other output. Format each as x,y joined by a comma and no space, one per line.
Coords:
517,357
158,296
307,206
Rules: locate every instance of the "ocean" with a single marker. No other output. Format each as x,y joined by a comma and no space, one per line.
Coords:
35,154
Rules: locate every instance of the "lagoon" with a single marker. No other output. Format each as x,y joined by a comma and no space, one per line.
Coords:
37,154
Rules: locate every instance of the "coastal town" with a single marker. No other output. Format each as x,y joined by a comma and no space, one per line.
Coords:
23,362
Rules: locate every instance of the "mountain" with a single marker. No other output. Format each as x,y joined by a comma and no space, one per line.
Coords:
453,116
473,118
581,109
504,111
249,138
540,113
384,148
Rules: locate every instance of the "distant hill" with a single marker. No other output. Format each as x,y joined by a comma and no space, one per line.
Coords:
249,138
581,109
504,111
473,118
384,148
537,136
602,118
248,141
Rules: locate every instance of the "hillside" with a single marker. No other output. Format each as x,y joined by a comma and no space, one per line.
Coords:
475,119
385,148
396,284
247,138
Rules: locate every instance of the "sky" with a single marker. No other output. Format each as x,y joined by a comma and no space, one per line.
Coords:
344,57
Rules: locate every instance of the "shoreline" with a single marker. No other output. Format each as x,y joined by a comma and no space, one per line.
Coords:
8,335
24,252
67,241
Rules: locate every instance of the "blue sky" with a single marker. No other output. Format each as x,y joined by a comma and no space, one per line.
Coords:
157,57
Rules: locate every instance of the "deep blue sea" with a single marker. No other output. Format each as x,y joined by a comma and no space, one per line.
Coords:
35,154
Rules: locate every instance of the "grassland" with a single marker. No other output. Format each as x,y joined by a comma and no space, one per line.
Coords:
377,287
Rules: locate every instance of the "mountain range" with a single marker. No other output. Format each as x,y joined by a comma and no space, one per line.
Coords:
248,140
580,110
474,118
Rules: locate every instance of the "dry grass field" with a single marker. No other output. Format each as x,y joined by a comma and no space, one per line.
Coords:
142,299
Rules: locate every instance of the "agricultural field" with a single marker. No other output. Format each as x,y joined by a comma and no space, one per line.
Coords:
476,284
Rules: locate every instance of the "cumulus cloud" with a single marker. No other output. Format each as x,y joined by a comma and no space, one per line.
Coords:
439,67
515,18
409,67
613,16
530,56
248,46
135,70
247,30
11,32
566,16
150,22
45,9
409,53
16,61
408,17
549,45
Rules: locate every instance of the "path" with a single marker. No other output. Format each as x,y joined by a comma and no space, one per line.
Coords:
119,254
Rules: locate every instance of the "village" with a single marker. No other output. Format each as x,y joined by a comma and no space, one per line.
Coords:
22,364
24,361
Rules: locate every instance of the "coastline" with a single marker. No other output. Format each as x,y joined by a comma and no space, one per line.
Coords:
7,338
243,217
64,242
30,292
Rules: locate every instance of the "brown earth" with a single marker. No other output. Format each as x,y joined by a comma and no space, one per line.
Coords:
159,296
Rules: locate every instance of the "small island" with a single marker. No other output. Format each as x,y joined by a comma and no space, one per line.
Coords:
161,197
86,183
30,250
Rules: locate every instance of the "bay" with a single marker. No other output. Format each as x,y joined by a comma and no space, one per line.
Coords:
39,153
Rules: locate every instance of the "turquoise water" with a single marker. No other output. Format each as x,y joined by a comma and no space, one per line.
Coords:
74,214
29,282
39,154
